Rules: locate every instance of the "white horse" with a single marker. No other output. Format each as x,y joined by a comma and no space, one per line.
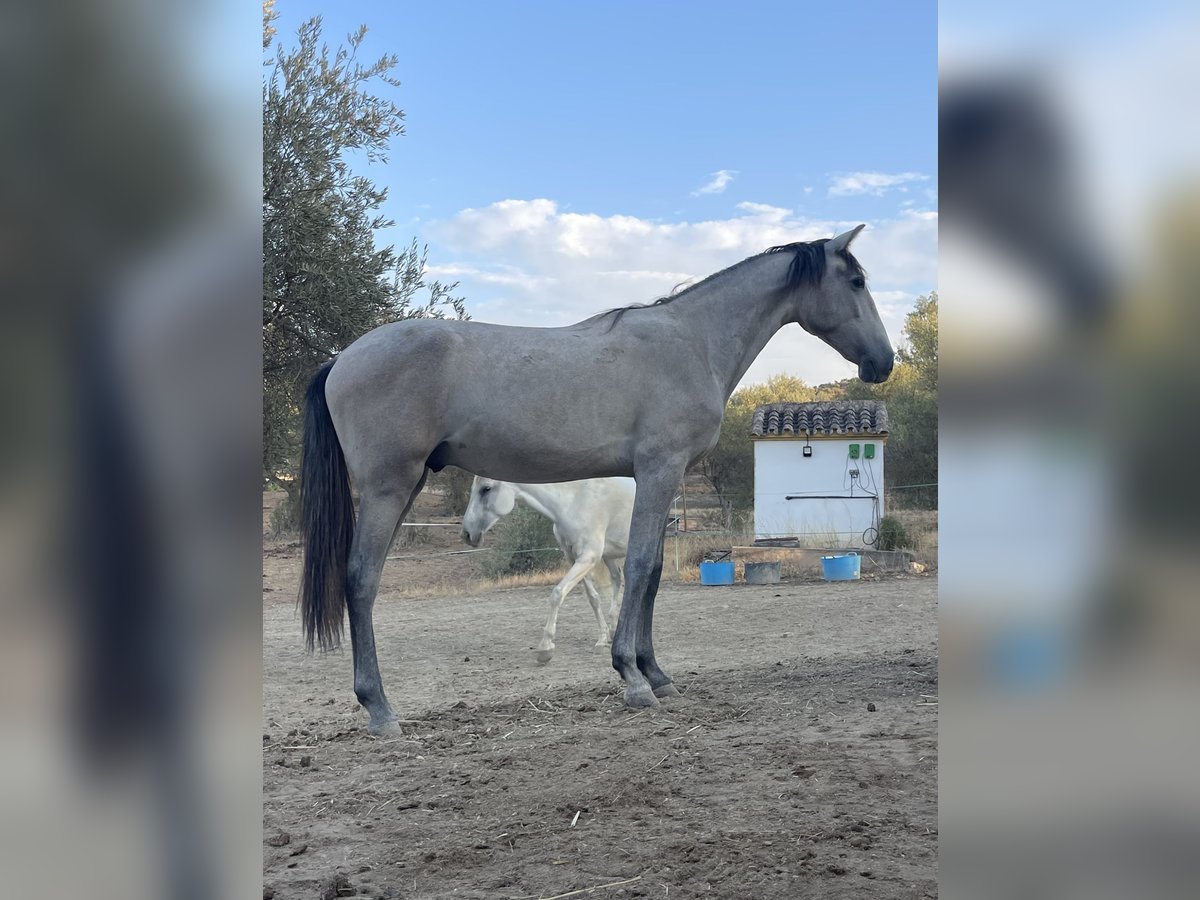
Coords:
591,524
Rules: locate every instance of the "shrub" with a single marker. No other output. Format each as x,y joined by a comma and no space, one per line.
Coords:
519,541
285,517
455,486
413,536
892,535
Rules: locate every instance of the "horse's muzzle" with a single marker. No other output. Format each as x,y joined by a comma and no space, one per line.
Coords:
469,539
876,371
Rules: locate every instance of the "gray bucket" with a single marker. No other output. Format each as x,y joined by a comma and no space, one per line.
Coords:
763,572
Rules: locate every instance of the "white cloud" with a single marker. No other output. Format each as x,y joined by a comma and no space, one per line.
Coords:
873,183
717,182
644,274
526,262
766,212
506,275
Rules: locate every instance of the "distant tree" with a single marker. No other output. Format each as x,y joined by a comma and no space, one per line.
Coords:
269,15
911,397
780,388
913,407
912,446
325,282
920,349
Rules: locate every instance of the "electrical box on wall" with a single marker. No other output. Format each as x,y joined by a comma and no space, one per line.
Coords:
868,451
854,451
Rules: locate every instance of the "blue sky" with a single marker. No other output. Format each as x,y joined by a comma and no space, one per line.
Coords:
562,158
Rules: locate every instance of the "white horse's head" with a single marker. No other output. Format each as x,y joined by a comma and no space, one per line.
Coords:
490,499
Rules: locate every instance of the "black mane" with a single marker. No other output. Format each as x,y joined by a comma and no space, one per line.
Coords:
807,268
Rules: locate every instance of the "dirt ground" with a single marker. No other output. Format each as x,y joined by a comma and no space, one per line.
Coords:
772,778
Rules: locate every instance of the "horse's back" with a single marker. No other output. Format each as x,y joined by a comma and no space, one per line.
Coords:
479,396
401,348
410,371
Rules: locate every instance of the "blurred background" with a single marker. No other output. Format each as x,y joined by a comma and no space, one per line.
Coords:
1068,274
130,448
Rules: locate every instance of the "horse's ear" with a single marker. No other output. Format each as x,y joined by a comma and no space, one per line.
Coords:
842,241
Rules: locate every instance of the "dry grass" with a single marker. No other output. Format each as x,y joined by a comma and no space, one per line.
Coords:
547,577
922,528
692,550
455,585
683,553
431,572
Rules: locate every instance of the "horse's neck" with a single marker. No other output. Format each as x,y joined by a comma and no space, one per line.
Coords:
736,313
548,499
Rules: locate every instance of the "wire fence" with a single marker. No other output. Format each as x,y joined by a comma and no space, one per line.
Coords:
912,496
698,517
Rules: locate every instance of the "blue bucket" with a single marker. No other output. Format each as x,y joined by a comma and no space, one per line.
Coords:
843,567
716,572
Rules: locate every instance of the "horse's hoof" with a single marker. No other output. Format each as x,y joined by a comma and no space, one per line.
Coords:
389,728
543,656
640,698
663,691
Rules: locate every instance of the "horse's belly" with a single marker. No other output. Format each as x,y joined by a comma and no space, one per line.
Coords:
539,455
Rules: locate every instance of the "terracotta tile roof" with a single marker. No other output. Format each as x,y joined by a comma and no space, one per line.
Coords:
824,418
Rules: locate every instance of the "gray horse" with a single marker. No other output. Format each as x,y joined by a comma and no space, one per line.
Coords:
638,391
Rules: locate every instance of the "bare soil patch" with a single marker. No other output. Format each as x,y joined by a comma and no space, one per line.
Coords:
772,779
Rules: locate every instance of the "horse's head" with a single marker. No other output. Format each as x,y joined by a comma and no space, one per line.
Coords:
490,499
838,308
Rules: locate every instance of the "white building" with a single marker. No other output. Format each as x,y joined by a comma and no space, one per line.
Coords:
818,471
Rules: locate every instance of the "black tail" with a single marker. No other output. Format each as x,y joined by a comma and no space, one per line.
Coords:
327,518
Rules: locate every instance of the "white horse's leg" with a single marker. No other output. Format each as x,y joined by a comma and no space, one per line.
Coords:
593,595
579,568
616,571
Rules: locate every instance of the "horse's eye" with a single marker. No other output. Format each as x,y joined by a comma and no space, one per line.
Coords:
859,283
484,490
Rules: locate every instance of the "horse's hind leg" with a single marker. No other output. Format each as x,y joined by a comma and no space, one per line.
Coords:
593,595
615,568
380,515
579,568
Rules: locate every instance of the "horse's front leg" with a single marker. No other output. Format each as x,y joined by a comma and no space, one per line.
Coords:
579,568
660,682
633,647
